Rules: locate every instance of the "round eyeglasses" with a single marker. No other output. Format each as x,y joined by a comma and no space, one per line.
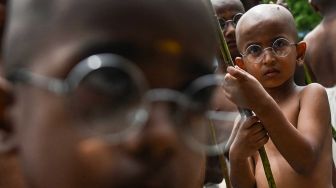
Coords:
280,47
225,23
107,96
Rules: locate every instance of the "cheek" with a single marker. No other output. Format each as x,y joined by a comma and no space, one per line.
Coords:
190,171
105,163
289,65
49,146
254,70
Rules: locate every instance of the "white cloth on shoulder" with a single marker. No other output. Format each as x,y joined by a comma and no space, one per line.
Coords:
332,102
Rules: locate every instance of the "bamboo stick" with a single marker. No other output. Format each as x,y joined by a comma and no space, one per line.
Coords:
222,160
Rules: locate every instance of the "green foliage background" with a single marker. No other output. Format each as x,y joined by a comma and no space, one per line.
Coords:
305,17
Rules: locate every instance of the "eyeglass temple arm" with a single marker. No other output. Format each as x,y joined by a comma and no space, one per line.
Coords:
50,84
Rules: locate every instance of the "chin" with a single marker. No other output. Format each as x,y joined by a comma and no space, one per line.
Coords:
272,84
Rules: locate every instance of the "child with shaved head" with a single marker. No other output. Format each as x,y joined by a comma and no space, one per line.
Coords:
228,13
292,122
100,92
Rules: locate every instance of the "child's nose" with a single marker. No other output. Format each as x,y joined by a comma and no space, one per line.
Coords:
158,140
229,30
268,55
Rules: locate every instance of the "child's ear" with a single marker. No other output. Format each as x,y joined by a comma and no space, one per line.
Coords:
7,136
240,63
301,51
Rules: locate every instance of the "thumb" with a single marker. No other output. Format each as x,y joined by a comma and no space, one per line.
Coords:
237,72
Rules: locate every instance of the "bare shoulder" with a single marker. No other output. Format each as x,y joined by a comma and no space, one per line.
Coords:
314,102
311,90
315,34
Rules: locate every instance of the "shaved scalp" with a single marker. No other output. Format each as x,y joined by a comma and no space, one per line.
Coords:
36,25
228,3
265,13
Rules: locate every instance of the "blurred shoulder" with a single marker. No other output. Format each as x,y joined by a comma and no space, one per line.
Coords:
315,34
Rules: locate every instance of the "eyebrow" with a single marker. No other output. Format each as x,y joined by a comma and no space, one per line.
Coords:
251,43
277,37
270,44
192,66
122,48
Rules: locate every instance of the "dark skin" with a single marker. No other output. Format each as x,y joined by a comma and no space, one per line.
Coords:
11,176
287,121
299,74
250,3
52,151
225,9
321,61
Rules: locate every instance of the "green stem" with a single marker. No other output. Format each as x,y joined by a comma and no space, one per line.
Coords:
228,60
263,156
308,78
267,167
333,133
222,160
225,53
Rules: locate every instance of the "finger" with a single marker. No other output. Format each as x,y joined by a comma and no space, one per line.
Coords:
250,121
257,128
262,141
229,80
259,135
237,72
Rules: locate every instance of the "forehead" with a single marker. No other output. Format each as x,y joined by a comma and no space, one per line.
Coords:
147,33
228,8
255,28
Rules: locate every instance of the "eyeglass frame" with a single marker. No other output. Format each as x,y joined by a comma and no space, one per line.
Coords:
227,22
75,76
269,47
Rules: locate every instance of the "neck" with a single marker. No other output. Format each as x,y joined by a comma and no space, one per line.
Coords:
329,17
328,10
282,91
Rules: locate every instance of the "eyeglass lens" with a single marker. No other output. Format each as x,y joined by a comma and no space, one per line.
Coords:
109,102
280,47
225,23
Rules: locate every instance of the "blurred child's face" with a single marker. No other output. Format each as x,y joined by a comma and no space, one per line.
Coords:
272,67
53,151
230,11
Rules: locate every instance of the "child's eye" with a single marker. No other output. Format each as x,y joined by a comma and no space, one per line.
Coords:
280,43
254,50
236,18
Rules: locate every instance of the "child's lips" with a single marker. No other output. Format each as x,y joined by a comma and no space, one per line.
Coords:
232,43
271,72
